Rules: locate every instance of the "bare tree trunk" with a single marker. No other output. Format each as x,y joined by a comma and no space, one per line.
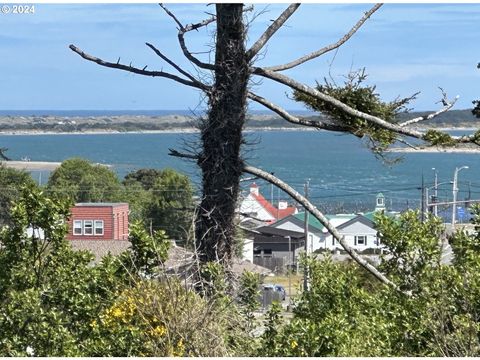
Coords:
221,135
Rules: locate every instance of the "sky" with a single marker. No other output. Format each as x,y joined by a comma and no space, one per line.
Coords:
405,48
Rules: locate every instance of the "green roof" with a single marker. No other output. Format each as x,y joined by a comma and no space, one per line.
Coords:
371,214
313,221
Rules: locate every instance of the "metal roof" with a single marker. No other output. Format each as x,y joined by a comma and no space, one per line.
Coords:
97,204
269,230
314,222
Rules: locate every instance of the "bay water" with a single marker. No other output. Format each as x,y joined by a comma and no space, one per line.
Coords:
343,174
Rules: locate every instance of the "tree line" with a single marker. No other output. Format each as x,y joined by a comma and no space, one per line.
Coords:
161,199
56,301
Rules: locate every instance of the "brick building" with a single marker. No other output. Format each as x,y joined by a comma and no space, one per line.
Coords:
98,221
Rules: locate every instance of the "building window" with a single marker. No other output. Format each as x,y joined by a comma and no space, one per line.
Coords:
361,240
88,227
77,227
267,252
380,201
98,227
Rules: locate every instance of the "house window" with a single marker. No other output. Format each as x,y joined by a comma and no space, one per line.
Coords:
361,240
267,252
88,227
380,201
77,227
98,227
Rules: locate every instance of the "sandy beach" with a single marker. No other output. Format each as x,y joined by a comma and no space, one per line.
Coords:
436,149
99,132
32,165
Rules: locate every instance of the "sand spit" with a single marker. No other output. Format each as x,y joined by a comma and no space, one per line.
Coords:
32,165
436,149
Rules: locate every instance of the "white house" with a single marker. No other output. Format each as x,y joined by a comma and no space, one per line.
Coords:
316,231
254,205
358,230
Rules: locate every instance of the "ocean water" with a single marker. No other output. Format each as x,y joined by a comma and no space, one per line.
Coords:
343,175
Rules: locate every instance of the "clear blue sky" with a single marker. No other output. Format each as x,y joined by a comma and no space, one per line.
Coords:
405,48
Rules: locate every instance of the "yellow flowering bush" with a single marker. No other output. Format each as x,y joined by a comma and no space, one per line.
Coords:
161,318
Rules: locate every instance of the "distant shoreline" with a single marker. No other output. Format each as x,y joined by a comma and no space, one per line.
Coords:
435,149
190,130
32,165
167,131
180,123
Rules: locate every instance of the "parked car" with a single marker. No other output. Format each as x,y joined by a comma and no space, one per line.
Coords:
277,288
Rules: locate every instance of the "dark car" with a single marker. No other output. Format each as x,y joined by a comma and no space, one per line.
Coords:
278,289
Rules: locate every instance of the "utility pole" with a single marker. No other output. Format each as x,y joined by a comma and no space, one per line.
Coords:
455,192
423,200
305,273
467,203
290,268
271,194
435,209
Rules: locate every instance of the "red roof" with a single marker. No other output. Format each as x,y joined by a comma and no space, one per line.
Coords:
276,213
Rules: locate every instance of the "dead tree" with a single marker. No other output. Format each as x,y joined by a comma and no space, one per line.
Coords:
221,131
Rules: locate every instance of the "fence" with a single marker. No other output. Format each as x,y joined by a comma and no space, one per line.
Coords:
277,265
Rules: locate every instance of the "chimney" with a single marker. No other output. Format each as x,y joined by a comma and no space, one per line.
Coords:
254,189
282,205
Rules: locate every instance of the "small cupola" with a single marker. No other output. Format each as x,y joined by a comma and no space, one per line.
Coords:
380,202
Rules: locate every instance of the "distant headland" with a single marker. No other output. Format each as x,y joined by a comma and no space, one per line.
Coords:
83,121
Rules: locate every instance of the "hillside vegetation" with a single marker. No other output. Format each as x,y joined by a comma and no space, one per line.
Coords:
124,123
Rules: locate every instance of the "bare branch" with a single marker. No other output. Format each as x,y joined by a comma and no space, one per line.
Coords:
133,69
327,48
396,128
178,154
251,178
178,68
347,109
181,39
271,30
169,13
197,26
248,230
447,106
293,119
325,222
407,143
248,216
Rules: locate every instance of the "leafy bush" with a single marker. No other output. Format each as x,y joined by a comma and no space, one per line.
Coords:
55,302
161,318
345,313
